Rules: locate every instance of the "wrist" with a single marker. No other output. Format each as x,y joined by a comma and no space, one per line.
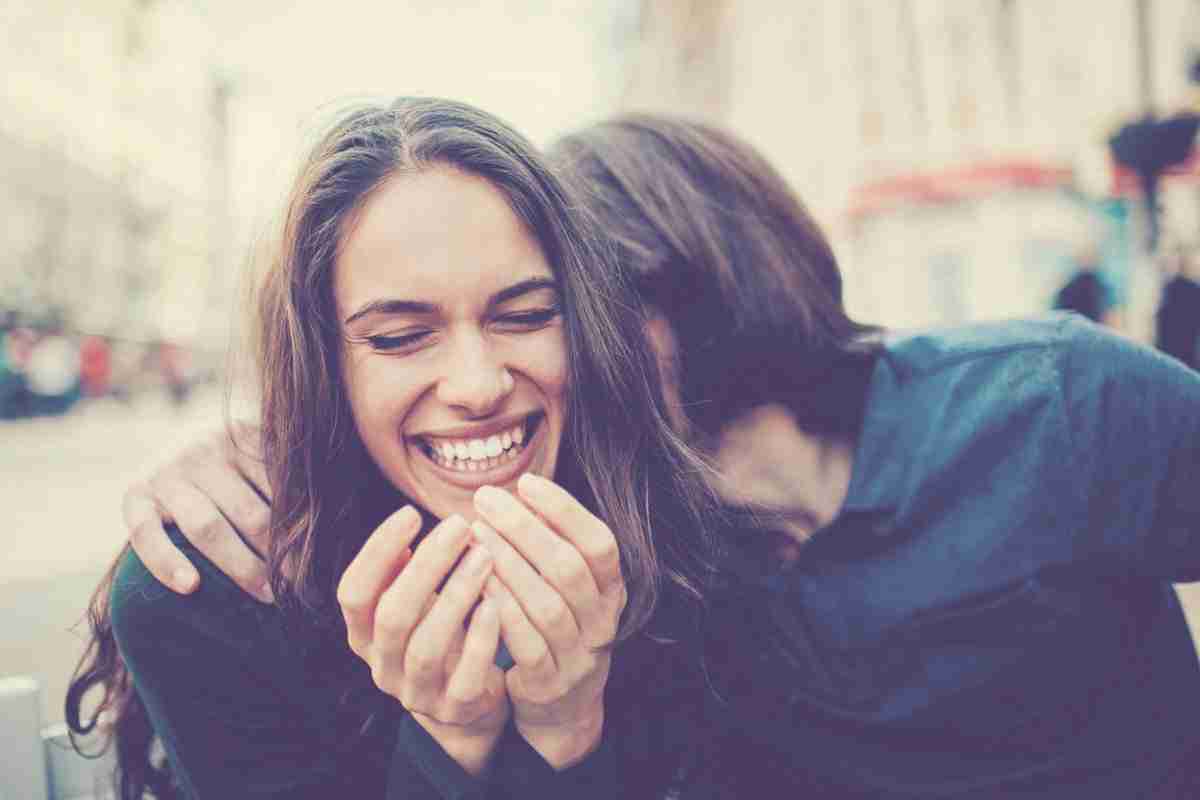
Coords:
470,747
564,746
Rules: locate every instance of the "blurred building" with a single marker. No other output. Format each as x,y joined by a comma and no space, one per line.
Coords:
956,151
113,173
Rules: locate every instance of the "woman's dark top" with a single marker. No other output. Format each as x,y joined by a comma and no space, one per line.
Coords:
990,615
248,706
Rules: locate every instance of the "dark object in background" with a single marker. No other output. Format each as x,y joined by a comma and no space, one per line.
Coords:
1178,321
1086,294
1149,147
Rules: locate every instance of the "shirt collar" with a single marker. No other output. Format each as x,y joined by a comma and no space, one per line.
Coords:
881,457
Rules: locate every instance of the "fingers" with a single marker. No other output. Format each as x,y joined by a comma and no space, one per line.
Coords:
403,604
540,602
235,499
202,523
244,450
375,567
526,644
475,674
152,545
426,657
590,536
556,558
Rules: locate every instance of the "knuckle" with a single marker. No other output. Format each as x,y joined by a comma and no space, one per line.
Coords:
604,552
392,625
350,599
208,531
421,661
462,694
568,571
542,661
248,513
143,533
551,612
384,679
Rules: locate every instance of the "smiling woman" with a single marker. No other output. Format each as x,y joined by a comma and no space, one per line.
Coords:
440,478
454,339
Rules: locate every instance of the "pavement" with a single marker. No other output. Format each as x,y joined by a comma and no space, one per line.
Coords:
61,482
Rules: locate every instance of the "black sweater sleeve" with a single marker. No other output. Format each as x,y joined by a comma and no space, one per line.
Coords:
240,716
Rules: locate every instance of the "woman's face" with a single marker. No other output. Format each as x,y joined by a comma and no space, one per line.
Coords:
455,361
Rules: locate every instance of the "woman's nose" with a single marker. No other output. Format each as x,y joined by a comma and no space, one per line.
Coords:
475,381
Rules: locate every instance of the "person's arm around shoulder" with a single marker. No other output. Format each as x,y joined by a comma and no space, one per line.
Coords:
1134,415
216,493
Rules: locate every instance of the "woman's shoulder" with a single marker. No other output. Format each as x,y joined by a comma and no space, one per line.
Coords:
141,608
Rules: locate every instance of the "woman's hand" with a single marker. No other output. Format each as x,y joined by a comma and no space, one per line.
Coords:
559,592
416,639
216,492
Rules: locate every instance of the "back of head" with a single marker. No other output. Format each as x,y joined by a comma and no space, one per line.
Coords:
728,254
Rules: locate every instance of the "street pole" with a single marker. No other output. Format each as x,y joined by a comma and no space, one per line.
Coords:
1144,44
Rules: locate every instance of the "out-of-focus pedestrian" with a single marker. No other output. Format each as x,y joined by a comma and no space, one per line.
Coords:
1087,292
1177,328
53,373
95,366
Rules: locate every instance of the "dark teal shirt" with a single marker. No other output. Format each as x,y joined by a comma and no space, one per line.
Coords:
991,614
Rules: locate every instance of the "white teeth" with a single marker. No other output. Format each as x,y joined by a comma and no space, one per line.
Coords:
475,455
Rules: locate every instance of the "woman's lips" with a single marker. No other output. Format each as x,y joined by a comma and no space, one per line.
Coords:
472,473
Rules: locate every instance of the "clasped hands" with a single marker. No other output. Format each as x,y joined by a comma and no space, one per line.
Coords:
536,568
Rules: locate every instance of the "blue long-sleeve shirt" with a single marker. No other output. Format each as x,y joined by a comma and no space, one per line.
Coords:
991,613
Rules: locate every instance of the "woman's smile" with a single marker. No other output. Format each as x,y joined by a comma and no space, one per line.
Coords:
496,453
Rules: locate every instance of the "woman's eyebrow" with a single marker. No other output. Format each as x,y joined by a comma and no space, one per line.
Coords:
522,288
386,306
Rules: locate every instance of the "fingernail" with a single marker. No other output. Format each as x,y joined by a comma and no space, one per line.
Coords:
407,516
477,560
532,484
184,579
454,528
488,498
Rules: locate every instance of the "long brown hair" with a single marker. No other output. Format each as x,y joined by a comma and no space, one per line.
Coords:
620,457
728,254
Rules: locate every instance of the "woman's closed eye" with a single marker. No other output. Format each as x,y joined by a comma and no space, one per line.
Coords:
411,340
528,320
388,343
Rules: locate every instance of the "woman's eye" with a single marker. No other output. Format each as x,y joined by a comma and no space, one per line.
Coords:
528,320
399,342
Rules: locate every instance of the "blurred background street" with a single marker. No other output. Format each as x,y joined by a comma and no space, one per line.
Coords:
970,159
